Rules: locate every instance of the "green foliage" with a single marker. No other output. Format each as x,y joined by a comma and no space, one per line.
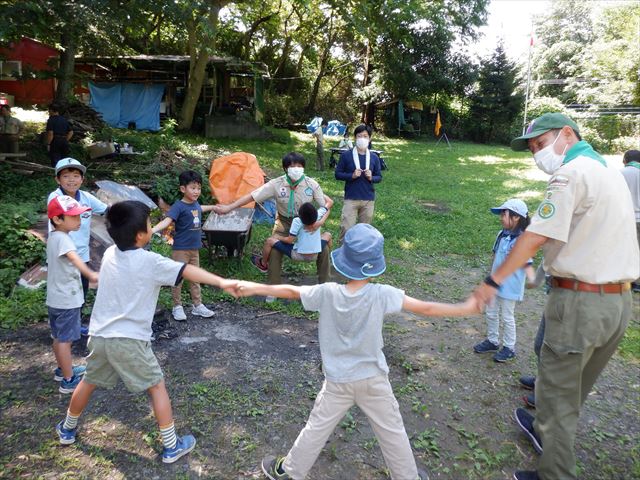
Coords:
495,105
18,248
22,307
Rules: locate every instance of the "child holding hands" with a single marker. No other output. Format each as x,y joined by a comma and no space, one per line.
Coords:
120,329
64,287
355,369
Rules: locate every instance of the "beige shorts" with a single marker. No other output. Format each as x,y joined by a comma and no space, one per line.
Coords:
131,360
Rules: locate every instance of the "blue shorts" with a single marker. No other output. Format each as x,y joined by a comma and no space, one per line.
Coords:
65,323
287,248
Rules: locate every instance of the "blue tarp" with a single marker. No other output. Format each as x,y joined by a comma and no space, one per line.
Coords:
333,128
122,103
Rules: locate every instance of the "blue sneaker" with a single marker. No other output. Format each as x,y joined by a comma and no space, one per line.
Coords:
68,386
525,420
183,446
67,437
504,355
78,371
528,382
485,346
84,330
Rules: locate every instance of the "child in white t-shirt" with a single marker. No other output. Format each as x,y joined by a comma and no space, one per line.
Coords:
303,243
355,369
120,329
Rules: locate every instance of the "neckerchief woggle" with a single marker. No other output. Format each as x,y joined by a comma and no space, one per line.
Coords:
356,159
291,210
633,164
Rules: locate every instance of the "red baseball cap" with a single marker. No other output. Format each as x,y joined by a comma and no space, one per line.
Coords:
64,205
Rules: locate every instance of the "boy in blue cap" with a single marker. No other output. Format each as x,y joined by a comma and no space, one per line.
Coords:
355,369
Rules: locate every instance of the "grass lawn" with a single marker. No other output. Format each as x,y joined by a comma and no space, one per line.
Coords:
244,401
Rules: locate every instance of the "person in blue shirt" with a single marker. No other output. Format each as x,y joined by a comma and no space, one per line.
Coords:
69,177
303,243
514,217
187,240
359,168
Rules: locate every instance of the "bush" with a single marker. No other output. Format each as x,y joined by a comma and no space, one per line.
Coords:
622,144
22,307
18,248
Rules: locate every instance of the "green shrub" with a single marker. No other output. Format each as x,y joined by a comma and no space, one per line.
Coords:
18,248
22,307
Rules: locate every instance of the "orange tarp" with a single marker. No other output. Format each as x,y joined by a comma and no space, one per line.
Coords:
235,175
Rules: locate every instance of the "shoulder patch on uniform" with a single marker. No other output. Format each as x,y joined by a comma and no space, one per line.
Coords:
308,191
546,210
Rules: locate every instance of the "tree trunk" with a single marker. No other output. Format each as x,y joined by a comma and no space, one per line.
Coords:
324,59
64,90
365,79
199,50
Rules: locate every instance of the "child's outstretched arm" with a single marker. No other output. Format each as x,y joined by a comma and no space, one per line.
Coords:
80,265
162,225
198,275
247,289
435,309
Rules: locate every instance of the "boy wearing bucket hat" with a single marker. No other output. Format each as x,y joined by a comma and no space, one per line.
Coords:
64,288
585,227
355,369
514,217
69,177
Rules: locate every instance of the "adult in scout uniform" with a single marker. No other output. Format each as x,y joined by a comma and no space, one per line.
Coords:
631,173
10,129
289,191
585,227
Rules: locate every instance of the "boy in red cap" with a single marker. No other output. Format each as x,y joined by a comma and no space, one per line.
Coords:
64,287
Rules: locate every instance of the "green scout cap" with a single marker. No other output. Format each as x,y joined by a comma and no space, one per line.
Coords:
541,125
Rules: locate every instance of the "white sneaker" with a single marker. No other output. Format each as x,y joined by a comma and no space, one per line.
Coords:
202,311
269,299
178,313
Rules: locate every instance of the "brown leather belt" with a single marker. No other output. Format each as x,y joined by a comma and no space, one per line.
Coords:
579,286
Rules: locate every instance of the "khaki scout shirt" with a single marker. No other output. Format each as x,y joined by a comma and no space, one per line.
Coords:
278,189
587,214
10,126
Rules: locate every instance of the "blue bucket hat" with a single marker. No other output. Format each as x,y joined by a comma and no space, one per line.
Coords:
513,204
361,255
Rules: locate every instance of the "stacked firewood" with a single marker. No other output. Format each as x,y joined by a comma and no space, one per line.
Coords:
83,120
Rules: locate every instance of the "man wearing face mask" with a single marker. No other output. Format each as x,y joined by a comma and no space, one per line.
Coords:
585,227
359,168
289,191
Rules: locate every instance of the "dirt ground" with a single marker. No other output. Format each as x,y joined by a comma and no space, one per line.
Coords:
243,382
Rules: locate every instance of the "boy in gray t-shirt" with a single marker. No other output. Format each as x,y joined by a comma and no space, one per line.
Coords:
64,287
350,334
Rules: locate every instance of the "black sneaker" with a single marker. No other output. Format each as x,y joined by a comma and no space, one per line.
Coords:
505,354
272,466
525,475
485,346
525,420
528,382
422,474
530,400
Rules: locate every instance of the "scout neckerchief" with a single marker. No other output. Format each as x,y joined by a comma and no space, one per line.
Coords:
356,159
583,149
291,210
633,164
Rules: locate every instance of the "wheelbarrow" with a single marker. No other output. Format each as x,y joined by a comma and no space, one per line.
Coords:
232,231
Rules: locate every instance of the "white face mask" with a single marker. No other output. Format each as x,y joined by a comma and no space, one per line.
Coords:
295,173
547,159
362,143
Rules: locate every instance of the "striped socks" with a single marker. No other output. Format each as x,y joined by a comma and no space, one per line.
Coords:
168,433
71,421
